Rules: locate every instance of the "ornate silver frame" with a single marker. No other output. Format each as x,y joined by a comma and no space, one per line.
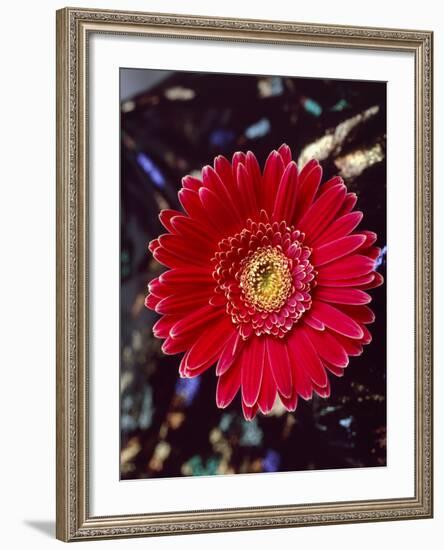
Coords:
74,521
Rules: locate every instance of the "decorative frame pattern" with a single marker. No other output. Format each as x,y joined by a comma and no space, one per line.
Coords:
73,519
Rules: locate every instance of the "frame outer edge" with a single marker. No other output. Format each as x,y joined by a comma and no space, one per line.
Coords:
72,522
62,282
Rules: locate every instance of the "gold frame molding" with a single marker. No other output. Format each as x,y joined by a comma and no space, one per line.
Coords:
74,521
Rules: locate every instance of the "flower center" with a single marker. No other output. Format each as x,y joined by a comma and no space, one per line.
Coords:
266,279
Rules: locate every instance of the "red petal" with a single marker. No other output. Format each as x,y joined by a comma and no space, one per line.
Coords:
218,300
267,394
247,193
182,303
162,327
285,152
290,403
301,380
336,320
286,194
304,352
367,338
194,231
210,343
253,168
228,385
196,252
362,282
249,412
168,258
346,268
313,322
336,249
274,168
328,347
309,180
352,347
222,216
322,391
238,158
322,212
195,320
341,227
192,205
171,346
189,182
177,245
151,301
376,281
225,171
252,359
153,245
337,371
280,365
351,296
157,288
229,353
370,239
165,217
362,314
329,184
214,183
187,275
348,204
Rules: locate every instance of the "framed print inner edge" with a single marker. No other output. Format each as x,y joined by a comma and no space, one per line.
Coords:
74,521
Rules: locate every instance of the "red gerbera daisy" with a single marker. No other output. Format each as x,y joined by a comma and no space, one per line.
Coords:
266,279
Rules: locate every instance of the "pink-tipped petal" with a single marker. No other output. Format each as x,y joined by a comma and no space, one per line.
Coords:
162,327
352,296
336,249
267,394
274,168
341,227
322,212
210,343
247,193
346,268
328,347
280,365
195,320
228,385
309,180
304,352
165,217
286,194
337,320
252,369
229,353
285,152
249,412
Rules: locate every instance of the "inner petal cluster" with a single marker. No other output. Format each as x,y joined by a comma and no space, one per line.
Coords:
265,277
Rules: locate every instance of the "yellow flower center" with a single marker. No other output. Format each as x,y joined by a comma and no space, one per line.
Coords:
266,280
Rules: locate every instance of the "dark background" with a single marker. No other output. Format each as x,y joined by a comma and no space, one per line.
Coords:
172,124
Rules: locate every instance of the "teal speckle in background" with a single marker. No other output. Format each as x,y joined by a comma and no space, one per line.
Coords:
251,434
312,106
340,105
199,469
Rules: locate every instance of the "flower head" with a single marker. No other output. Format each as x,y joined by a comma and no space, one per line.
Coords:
266,279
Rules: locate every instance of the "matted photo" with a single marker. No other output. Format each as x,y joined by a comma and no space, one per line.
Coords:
252,274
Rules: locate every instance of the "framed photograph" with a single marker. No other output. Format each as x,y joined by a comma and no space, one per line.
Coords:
244,274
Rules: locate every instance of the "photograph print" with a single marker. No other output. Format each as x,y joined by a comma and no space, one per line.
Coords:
252,274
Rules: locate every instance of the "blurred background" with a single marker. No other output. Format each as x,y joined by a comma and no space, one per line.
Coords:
172,124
